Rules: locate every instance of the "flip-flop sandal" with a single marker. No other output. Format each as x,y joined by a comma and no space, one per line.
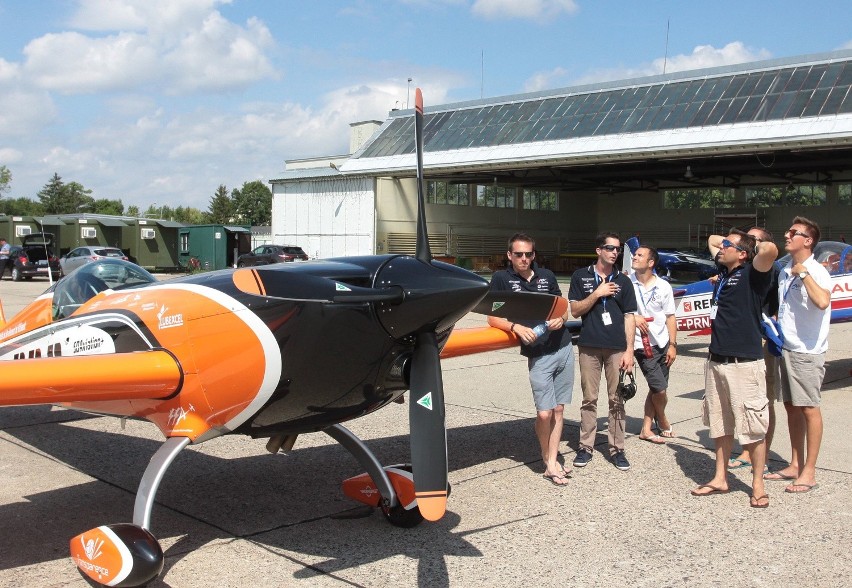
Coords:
807,488
754,502
655,439
667,434
778,477
713,490
736,463
553,479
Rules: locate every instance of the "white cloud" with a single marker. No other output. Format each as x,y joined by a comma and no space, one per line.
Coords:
524,9
24,113
9,156
701,57
176,47
546,80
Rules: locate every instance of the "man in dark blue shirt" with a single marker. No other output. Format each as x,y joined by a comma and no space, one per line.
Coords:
735,400
549,353
604,298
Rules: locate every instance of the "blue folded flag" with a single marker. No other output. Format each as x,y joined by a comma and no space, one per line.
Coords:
773,335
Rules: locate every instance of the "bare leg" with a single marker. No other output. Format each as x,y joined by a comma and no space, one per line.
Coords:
813,428
720,479
758,456
548,429
660,400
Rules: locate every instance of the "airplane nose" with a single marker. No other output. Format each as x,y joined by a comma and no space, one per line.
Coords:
436,295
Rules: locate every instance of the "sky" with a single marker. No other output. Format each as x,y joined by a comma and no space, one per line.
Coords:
159,102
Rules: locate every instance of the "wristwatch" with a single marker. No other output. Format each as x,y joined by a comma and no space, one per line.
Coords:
803,274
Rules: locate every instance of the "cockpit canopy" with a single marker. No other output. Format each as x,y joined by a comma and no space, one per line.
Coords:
76,288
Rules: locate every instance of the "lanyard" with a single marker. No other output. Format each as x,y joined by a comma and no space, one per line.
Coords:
642,298
721,285
598,280
789,283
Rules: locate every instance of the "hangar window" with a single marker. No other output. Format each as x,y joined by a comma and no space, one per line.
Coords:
698,198
790,195
844,193
447,193
541,199
492,196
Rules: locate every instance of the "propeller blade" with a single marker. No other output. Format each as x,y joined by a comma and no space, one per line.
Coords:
428,429
522,305
423,253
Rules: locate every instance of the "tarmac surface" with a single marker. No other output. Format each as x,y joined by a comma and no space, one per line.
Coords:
229,513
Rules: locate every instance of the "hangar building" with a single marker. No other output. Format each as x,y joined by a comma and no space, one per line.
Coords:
672,158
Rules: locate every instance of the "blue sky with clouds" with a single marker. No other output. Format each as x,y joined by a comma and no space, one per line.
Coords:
161,101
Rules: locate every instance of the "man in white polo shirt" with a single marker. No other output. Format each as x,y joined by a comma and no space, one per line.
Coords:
804,312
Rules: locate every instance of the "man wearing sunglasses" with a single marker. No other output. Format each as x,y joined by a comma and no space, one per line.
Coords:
550,356
604,298
735,374
804,293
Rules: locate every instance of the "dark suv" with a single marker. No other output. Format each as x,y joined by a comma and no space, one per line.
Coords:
33,258
266,254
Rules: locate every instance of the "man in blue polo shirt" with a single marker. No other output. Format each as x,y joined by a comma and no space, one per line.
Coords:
605,300
549,353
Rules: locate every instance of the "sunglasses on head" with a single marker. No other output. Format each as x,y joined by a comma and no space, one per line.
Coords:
610,247
527,254
726,244
793,232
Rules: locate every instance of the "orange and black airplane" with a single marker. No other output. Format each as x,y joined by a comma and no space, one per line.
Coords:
247,351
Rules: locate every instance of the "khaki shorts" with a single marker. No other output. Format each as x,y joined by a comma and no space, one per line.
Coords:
801,377
735,402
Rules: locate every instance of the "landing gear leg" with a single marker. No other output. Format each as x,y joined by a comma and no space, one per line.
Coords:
367,460
127,555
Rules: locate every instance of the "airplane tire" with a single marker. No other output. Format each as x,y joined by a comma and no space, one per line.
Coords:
399,517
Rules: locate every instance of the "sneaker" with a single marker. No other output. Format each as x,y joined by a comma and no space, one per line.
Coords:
584,456
620,461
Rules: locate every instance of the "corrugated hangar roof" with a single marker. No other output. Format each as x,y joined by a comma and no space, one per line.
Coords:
804,101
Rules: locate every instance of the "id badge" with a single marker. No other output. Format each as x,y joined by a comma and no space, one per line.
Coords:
607,320
713,310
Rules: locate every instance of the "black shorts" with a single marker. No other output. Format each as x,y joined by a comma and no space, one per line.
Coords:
654,368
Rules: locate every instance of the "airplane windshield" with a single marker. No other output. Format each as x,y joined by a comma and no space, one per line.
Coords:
76,288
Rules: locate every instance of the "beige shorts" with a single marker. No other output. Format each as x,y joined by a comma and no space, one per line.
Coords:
735,400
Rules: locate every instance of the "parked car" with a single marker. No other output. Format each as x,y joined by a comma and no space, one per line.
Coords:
266,254
34,257
83,255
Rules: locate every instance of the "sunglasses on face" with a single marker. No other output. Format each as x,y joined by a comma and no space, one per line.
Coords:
726,244
793,232
610,247
527,254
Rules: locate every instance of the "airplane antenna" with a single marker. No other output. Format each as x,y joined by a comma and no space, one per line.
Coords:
423,253
666,54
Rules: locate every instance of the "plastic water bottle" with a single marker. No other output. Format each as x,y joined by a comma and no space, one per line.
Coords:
540,330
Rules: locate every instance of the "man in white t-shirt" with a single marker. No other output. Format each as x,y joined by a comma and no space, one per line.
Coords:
804,313
655,322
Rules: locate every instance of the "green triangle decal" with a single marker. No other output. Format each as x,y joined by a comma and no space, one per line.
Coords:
426,401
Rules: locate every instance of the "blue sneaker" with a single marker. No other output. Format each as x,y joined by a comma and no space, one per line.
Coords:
583,457
620,461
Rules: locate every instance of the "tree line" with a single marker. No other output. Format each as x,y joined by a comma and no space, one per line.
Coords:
249,205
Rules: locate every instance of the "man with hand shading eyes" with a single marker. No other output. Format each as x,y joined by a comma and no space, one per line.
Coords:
605,300
550,355
735,400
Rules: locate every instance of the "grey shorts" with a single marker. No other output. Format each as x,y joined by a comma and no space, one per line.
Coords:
801,377
654,368
552,378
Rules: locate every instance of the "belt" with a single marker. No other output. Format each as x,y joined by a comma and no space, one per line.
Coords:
730,359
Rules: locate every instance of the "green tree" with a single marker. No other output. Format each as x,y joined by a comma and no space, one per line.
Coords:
21,207
77,199
221,206
5,179
107,206
133,210
253,203
51,195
